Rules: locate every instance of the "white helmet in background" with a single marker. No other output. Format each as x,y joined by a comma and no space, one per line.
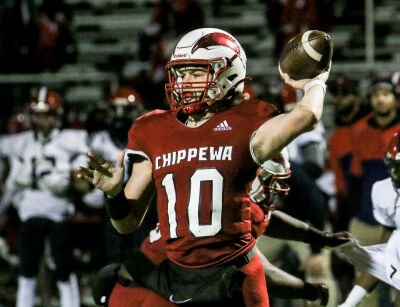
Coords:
269,188
223,57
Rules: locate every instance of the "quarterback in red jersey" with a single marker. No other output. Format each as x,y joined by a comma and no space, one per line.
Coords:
267,193
200,157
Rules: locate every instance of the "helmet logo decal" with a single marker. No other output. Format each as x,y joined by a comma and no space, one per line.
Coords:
214,39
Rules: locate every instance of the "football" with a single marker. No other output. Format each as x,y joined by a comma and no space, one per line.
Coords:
306,55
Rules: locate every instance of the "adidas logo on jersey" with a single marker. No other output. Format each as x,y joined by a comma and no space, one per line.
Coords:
223,126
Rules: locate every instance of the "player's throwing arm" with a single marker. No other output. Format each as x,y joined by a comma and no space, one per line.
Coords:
304,64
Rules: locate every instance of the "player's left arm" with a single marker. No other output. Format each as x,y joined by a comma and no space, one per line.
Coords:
138,193
126,206
279,131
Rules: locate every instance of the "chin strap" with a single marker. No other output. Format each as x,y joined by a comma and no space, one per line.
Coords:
232,90
242,80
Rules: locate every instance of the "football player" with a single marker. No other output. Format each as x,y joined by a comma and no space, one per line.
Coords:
350,116
267,193
126,106
367,166
382,260
108,127
47,157
108,124
200,157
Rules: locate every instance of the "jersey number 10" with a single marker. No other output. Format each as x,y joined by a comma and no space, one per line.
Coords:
196,228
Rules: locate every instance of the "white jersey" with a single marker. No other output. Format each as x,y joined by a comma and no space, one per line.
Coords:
381,260
44,170
313,136
102,144
386,203
9,188
392,260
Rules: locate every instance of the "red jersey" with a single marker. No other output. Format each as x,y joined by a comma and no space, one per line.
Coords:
154,248
371,143
202,175
370,146
341,150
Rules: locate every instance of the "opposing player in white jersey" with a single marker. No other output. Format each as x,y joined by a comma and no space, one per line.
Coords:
381,261
46,158
107,126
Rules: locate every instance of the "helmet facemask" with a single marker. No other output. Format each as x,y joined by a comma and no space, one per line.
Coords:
273,190
194,97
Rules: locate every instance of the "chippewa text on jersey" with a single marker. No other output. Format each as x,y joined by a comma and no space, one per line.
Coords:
194,154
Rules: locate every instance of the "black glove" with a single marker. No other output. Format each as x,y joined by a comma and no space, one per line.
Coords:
325,239
317,291
323,293
104,283
336,239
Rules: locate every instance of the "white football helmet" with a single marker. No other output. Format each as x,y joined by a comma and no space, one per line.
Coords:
269,188
224,59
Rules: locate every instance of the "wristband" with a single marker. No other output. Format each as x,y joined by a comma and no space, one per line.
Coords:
313,83
315,236
356,295
117,207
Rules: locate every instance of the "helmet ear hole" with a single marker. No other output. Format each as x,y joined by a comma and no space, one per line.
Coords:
232,77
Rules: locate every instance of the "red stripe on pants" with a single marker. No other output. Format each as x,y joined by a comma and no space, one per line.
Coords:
136,297
254,285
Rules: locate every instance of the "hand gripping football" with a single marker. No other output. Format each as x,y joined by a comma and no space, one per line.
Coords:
306,55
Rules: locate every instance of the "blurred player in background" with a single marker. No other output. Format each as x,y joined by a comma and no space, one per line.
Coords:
43,160
108,127
383,262
350,115
126,105
107,124
367,165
